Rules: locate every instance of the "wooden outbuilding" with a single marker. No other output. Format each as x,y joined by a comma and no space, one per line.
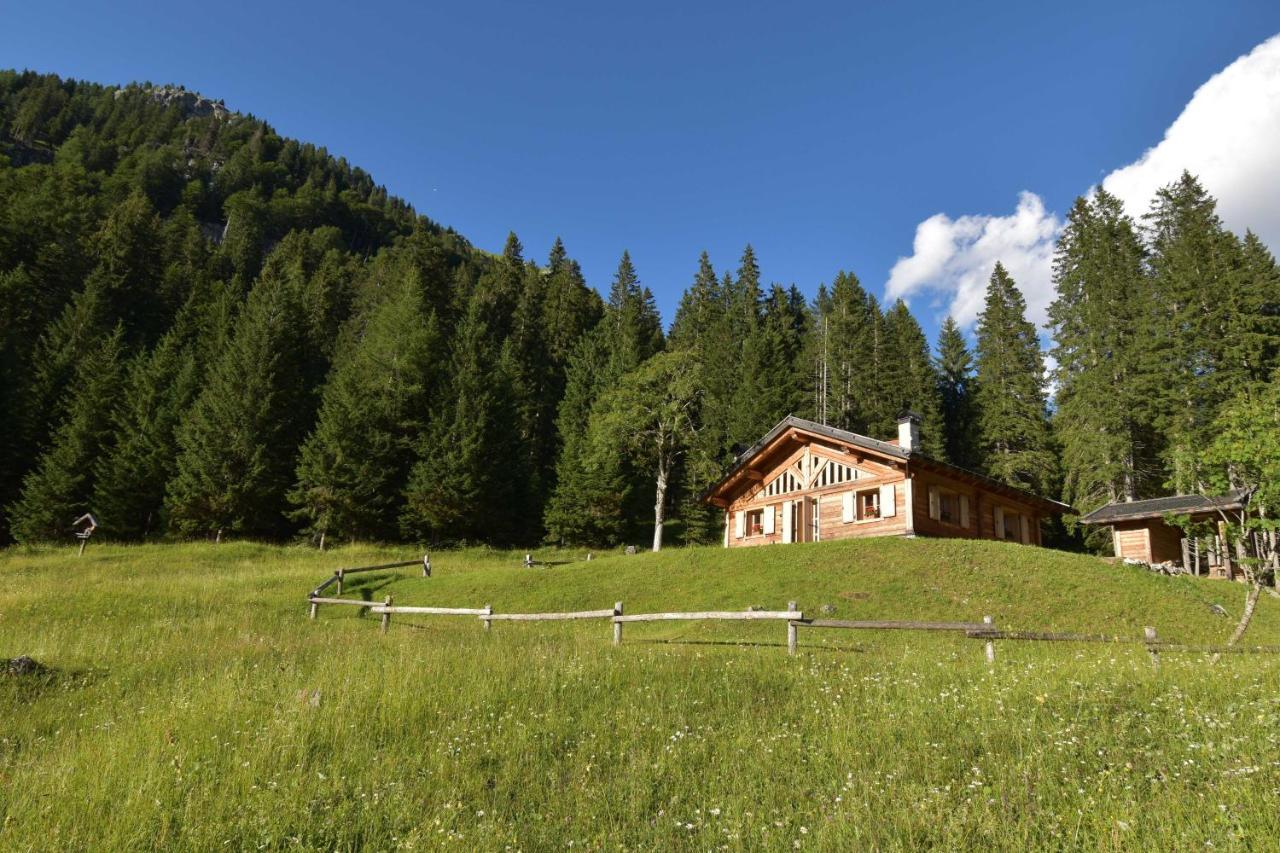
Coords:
807,482
1141,530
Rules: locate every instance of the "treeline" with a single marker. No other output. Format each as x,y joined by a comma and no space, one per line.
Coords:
210,330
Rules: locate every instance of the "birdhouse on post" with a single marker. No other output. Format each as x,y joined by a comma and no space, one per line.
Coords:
84,527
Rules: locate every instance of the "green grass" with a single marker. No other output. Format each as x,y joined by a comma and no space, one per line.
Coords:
193,704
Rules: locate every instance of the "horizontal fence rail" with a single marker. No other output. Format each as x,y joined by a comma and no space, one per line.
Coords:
985,630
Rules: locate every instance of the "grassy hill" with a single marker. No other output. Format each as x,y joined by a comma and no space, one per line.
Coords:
191,703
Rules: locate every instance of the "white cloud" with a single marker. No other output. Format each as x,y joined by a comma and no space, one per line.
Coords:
953,259
1229,136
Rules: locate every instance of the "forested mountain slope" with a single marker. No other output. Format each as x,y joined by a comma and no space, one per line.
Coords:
207,329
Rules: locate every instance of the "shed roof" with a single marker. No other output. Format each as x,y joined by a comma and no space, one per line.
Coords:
1174,504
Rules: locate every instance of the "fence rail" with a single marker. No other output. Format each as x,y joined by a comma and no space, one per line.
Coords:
985,630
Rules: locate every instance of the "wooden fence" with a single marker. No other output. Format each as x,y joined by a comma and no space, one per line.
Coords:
794,618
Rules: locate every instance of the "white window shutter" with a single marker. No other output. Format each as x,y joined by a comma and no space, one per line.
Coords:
888,501
964,510
768,520
787,508
998,516
1026,530
846,504
740,524
935,504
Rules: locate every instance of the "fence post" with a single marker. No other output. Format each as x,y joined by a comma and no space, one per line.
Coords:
617,626
314,607
991,644
488,611
792,631
339,573
386,616
426,565
1149,634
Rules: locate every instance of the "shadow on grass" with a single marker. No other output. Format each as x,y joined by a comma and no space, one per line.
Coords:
760,644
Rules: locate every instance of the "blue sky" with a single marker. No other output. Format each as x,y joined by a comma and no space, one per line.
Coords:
823,134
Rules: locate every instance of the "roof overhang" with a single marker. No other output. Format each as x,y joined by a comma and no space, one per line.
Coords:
791,428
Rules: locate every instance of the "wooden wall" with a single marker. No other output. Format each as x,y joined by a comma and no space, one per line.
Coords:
982,504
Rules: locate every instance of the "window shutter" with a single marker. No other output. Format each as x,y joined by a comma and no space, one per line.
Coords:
964,510
846,503
998,515
1026,530
768,519
787,508
739,524
935,510
888,501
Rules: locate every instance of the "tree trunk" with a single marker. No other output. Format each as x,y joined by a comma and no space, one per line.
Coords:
322,540
217,540
1250,603
659,508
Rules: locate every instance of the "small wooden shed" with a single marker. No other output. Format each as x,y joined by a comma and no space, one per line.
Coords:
1140,531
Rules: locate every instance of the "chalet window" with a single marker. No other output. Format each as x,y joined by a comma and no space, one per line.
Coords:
833,474
755,522
868,504
948,506
1012,526
780,485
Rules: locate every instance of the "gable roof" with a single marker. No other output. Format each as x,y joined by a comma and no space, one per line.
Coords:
1159,507
874,445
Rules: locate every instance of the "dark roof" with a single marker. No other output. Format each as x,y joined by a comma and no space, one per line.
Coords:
874,444
1174,504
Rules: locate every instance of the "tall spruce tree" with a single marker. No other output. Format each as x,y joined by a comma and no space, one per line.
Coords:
60,486
595,499
1107,446
130,478
1013,427
469,474
910,381
354,466
851,387
957,389
239,442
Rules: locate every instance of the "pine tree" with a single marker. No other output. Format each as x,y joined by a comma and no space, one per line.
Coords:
130,479
910,381
852,387
956,389
1195,287
465,483
595,496
354,467
1107,449
59,488
239,442
1013,429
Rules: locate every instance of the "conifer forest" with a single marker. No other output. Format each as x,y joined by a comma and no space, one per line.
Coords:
208,330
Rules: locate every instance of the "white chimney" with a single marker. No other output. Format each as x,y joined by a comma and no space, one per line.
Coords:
909,431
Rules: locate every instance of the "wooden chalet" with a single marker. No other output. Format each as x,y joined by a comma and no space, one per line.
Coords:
1140,530
806,482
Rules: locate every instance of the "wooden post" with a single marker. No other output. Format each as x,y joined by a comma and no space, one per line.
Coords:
426,565
991,644
1149,634
339,573
386,617
792,631
314,608
617,626
1186,554
488,623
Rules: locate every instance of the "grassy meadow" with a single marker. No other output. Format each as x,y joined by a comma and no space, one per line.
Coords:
191,704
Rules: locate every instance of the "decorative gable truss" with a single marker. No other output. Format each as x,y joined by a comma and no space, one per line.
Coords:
787,481
828,472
